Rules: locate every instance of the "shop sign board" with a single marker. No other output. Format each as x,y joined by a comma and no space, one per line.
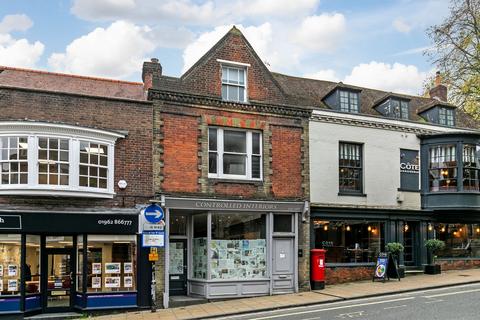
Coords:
381,267
10,222
153,239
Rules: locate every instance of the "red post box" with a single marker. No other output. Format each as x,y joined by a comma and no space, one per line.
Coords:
317,269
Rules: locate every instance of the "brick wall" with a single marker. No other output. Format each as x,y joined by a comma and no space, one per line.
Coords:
337,275
133,155
458,264
181,153
233,47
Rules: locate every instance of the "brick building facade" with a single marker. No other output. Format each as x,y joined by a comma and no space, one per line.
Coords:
66,142
189,112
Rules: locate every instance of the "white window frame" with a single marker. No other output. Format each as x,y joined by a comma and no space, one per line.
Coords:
248,162
35,130
239,67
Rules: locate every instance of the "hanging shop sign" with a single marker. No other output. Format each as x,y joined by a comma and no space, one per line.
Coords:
10,222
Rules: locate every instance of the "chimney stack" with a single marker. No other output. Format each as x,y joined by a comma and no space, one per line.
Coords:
151,73
439,91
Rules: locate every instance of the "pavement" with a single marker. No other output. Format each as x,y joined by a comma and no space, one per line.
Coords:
332,293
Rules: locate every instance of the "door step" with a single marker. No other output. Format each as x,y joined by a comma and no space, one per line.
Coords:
412,271
183,301
55,316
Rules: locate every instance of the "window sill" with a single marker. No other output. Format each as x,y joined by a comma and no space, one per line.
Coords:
408,190
25,191
352,194
238,181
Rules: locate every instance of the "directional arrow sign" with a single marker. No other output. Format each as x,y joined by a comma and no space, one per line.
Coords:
153,213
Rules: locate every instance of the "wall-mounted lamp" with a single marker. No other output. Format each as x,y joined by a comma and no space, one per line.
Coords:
325,227
348,228
430,227
406,227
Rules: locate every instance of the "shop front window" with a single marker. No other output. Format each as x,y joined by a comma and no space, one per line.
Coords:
32,266
238,247
199,246
80,263
111,263
443,168
461,240
349,241
10,254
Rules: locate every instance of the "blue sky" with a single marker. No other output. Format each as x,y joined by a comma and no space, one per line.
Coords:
373,43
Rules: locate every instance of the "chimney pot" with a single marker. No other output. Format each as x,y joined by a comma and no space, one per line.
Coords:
439,91
151,73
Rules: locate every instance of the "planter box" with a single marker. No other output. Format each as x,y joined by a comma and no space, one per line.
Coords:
433,269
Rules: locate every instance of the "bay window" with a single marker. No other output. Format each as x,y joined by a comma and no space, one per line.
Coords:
234,154
67,161
471,167
443,168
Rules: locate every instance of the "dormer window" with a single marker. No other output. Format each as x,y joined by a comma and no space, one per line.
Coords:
395,108
446,117
348,101
234,83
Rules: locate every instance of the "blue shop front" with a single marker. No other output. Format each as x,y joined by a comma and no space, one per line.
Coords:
67,261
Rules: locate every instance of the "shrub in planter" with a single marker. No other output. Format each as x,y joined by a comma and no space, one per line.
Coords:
395,249
433,246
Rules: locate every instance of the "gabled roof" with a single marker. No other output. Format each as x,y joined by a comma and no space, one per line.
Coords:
69,83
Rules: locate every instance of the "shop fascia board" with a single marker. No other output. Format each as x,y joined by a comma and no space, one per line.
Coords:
233,205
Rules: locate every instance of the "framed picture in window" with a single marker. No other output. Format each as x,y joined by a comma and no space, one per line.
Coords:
128,267
1,285
1,270
12,270
112,282
96,268
96,282
12,285
128,282
112,267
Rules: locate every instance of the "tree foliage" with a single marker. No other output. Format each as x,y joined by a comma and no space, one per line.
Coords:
456,52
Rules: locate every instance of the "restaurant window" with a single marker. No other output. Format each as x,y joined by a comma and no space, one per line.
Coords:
199,246
238,246
32,264
350,168
461,240
348,101
471,167
443,168
10,259
235,154
111,263
234,84
349,241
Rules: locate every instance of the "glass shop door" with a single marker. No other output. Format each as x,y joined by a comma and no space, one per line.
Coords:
58,280
178,267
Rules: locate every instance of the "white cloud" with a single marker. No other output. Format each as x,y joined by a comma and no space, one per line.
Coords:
322,33
190,12
144,11
19,53
326,74
401,26
259,37
383,76
15,22
117,51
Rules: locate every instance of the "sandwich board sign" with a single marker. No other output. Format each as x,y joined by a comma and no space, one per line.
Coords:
385,268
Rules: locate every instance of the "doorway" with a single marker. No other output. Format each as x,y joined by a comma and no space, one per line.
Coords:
410,243
58,278
178,270
283,261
